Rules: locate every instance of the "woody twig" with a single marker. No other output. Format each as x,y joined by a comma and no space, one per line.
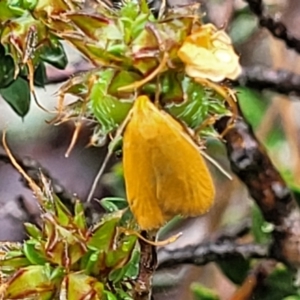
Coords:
250,162
276,28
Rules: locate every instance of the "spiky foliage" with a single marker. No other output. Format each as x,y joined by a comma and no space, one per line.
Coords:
67,260
167,55
135,52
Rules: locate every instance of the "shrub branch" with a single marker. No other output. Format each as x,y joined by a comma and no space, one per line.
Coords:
250,162
276,28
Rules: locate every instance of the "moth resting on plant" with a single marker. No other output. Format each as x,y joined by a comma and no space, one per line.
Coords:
165,175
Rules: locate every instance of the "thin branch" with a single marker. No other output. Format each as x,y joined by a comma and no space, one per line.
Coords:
147,267
250,162
211,251
234,232
34,169
57,76
276,28
260,77
221,245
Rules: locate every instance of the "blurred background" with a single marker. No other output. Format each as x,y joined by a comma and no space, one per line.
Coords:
273,116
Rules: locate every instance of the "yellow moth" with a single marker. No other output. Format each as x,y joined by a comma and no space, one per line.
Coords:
165,175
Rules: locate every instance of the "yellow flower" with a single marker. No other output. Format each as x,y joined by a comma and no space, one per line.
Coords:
208,53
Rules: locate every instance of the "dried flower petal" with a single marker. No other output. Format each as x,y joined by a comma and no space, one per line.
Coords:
208,53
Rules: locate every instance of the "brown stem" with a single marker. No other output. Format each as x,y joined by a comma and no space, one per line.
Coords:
261,77
257,77
250,162
276,28
204,253
147,266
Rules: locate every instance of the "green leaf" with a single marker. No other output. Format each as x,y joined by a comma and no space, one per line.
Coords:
17,95
120,257
80,286
7,12
132,269
103,235
30,281
16,7
192,112
32,253
295,189
111,204
126,218
252,106
90,24
55,55
92,262
79,218
293,297
117,275
236,269
109,296
109,110
122,295
29,4
14,263
62,213
278,285
202,293
261,230
242,27
191,102
7,68
21,5
40,77
172,90
116,145
120,79
33,231
57,274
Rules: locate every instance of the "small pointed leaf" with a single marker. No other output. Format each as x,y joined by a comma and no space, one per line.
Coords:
33,231
32,253
17,95
111,204
28,281
103,235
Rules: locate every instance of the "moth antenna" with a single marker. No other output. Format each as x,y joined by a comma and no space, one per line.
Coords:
166,242
216,164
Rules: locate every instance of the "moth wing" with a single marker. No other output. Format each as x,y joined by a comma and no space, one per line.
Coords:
138,171
184,184
164,172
